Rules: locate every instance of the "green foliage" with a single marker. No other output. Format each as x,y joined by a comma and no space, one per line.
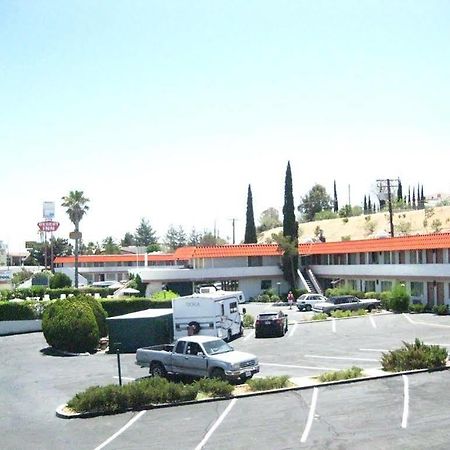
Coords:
347,237
99,313
320,316
118,307
214,387
345,374
20,277
143,394
315,201
440,310
60,280
175,238
341,314
17,311
333,292
371,295
41,279
164,296
400,298
417,308
268,383
145,235
250,229
264,298
248,321
325,215
268,220
369,226
414,356
71,326
436,225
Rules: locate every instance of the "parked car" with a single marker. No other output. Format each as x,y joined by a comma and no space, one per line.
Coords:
306,301
271,323
345,303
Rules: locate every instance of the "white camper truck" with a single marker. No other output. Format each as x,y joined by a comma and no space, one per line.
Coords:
210,314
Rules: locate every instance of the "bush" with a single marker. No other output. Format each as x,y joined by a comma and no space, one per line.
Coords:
333,292
99,313
264,298
416,308
214,387
248,321
320,316
268,383
414,356
17,311
106,399
400,298
346,374
70,326
440,310
341,314
164,296
60,280
371,295
118,307
385,299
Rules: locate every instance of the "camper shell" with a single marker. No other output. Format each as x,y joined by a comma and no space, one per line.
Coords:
210,314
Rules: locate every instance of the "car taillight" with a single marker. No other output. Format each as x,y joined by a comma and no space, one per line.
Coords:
257,322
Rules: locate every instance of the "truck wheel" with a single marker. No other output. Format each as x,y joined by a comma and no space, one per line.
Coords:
157,370
218,373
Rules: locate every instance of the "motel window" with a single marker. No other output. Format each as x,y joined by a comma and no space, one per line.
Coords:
351,284
413,256
386,257
386,286
362,258
352,258
369,286
416,289
266,284
255,261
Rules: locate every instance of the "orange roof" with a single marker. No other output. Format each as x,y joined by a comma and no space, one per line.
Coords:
115,258
417,242
184,253
227,251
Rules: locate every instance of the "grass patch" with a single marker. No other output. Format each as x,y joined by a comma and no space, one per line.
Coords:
414,356
320,316
341,314
248,321
346,374
268,383
213,387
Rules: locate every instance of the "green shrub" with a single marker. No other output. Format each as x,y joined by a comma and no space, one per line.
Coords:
345,374
99,313
214,387
275,298
416,308
334,292
414,356
70,326
17,311
60,280
440,310
320,316
118,307
385,299
105,399
371,295
264,298
341,314
248,321
400,298
268,383
164,295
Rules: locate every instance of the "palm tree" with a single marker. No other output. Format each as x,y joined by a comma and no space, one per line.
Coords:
76,207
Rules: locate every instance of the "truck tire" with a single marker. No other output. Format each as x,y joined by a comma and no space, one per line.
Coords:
158,370
195,326
217,373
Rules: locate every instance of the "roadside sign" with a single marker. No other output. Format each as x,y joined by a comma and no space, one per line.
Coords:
75,235
48,225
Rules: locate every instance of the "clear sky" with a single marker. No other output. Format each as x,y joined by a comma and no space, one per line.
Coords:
169,109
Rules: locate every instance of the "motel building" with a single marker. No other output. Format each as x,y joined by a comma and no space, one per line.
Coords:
421,262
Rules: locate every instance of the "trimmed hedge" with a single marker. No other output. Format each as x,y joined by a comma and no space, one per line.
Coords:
54,294
70,326
118,307
268,383
17,311
345,374
99,313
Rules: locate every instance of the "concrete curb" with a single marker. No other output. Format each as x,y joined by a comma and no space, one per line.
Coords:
328,319
63,415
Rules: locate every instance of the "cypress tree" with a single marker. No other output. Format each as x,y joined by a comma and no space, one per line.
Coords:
369,205
365,205
250,229
335,204
409,196
414,199
290,231
422,197
399,191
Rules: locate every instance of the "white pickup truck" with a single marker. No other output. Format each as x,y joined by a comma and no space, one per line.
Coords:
198,356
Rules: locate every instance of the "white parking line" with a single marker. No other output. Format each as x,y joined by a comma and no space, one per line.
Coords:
297,367
419,322
372,321
312,411
216,424
249,335
293,328
344,358
125,427
405,401
333,325
124,378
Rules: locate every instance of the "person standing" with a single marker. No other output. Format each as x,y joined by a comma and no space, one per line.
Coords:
290,298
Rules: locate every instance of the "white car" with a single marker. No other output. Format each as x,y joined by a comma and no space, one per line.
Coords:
306,301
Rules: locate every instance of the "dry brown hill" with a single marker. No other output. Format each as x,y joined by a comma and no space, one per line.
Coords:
422,221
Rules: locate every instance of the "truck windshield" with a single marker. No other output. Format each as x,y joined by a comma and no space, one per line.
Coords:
215,347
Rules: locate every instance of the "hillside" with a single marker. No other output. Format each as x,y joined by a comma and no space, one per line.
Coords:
423,221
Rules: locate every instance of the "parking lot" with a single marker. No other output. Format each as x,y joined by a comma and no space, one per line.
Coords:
401,412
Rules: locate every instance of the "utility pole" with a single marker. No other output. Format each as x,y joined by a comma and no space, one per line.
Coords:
233,223
384,192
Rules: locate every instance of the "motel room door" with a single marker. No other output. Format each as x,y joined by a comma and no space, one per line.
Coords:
435,293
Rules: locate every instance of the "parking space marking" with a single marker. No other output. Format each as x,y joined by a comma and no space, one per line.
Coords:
333,325
344,358
419,322
405,401
291,333
372,321
297,367
312,411
216,424
124,428
249,335
124,378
